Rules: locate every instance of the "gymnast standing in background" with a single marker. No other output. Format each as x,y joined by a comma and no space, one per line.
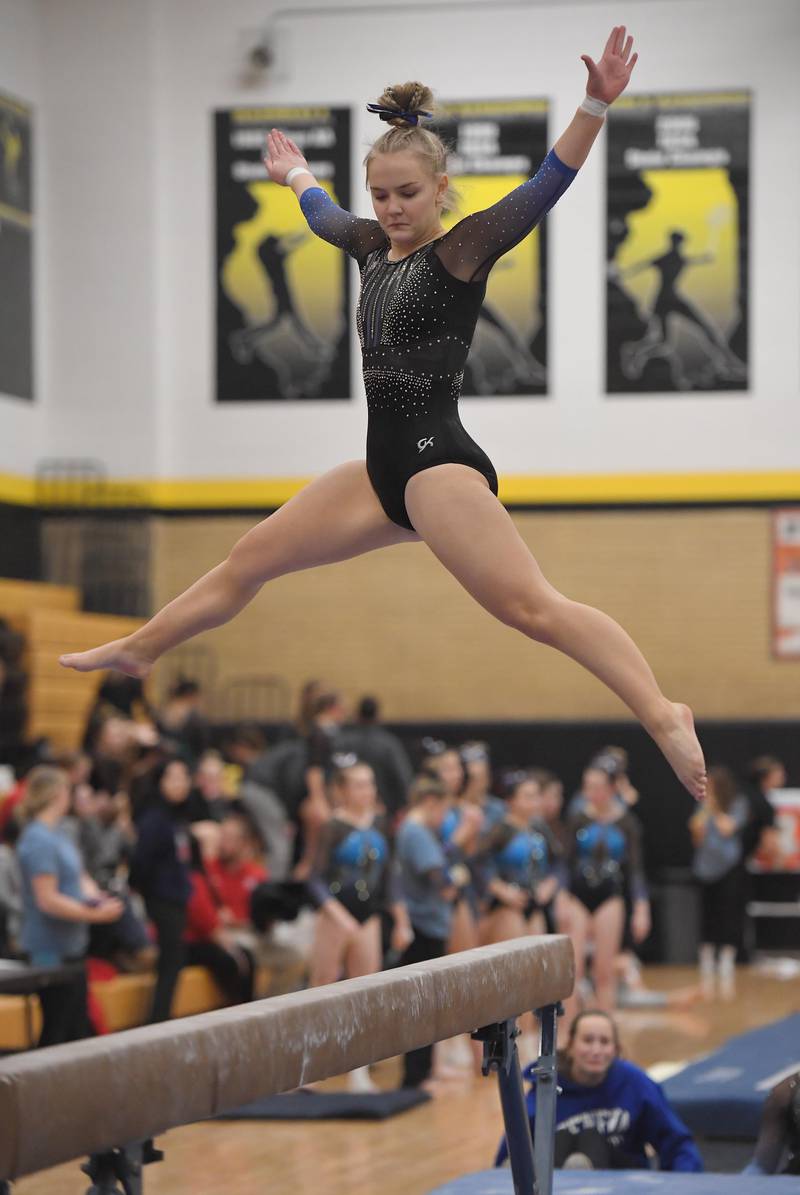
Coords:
424,478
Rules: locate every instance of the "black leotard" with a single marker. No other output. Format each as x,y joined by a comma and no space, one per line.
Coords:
604,859
520,857
354,865
416,320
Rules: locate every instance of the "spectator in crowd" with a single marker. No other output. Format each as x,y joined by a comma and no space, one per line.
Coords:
778,1146
271,790
210,794
429,890
519,856
552,804
237,869
445,763
10,893
482,811
631,990
306,704
761,836
182,721
604,859
103,827
315,809
477,788
383,751
106,838
210,942
621,764
161,872
60,902
118,696
608,1111
717,829
135,746
352,882
246,744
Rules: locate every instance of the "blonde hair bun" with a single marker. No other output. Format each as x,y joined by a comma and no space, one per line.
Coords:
413,98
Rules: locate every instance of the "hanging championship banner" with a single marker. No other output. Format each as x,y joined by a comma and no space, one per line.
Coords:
16,249
282,293
786,583
495,146
677,243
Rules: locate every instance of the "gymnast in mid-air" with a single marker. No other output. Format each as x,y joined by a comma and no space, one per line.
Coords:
424,478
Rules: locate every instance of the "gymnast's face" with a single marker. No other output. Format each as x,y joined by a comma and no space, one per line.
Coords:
598,788
450,770
526,803
552,800
406,197
593,1049
357,791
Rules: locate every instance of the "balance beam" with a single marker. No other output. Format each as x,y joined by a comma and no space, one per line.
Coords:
92,1096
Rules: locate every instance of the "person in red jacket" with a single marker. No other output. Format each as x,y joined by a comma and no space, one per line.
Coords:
237,869
210,942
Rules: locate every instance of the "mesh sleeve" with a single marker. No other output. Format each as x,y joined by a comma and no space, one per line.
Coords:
472,247
333,224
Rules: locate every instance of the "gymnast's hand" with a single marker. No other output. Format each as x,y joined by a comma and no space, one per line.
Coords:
402,936
281,155
609,77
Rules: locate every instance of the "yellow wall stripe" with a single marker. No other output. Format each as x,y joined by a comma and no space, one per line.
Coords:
580,489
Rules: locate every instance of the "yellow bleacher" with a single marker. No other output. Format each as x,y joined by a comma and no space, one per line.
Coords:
48,616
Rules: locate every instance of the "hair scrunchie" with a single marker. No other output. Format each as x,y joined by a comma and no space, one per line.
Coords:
390,113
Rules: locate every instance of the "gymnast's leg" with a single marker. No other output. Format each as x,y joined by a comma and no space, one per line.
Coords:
608,924
468,529
334,518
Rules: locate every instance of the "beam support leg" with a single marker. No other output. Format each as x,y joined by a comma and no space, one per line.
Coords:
120,1170
546,1073
500,1054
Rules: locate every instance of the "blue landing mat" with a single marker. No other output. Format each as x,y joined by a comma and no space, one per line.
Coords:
625,1182
722,1095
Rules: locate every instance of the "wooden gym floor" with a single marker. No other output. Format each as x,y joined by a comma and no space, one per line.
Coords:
415,1152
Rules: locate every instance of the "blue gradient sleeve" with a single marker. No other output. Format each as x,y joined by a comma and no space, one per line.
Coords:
472,247
355,235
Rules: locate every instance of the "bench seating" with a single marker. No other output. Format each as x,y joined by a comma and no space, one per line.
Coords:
126,999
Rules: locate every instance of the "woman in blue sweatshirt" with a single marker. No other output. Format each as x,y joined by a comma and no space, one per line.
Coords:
608,1109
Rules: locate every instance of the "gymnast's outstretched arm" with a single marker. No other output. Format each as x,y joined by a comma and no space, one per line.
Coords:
356,235
472,247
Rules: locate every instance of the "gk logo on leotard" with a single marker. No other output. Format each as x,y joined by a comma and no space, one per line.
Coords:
425,442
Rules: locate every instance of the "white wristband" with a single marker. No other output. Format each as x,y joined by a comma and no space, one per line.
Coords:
592,106
293,173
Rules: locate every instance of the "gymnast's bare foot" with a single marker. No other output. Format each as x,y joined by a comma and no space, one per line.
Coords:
120,654
677,739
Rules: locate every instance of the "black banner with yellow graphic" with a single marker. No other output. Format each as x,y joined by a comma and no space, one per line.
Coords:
496,145
282,294
16,249
677,243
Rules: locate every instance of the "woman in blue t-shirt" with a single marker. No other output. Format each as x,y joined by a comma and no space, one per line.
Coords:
608,1110
60,901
